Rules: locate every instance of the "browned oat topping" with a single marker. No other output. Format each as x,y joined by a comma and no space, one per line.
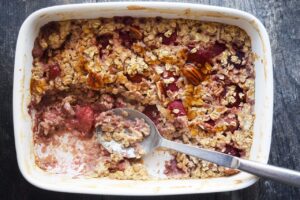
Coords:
194,79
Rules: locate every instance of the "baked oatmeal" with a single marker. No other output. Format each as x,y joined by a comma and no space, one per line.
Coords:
129,133
194,79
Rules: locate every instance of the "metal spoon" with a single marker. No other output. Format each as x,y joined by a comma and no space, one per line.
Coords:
155,140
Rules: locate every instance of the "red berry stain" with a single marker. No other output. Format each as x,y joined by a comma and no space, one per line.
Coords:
104,40
237,97
127,20
83,121
152,112
232,126
177,104
169,40
37,50
50,28
171,86
137,78
211,122
205,55
171,168
231,150
126,40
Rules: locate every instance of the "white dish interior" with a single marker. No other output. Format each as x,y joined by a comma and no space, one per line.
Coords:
21,96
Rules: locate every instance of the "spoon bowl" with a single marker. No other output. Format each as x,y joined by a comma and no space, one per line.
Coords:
148,144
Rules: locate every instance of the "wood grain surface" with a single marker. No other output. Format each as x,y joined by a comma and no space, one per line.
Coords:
282,20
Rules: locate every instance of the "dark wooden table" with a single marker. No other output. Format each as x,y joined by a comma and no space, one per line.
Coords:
282,20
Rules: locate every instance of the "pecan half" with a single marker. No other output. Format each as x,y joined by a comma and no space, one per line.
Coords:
136,33
230,172
192,74
160,90
94,80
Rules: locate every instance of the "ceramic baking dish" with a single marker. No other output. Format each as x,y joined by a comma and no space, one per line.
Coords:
21,96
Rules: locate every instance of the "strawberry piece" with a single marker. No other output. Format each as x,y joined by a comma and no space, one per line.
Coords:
84,119
54,71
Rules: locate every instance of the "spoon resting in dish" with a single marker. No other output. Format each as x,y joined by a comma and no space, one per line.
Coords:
151,139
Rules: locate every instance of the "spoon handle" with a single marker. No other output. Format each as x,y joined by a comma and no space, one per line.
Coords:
280,174
204,154
283,175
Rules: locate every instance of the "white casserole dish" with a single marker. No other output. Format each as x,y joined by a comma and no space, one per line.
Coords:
21,96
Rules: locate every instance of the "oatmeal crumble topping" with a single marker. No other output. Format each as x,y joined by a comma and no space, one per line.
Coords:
194,79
